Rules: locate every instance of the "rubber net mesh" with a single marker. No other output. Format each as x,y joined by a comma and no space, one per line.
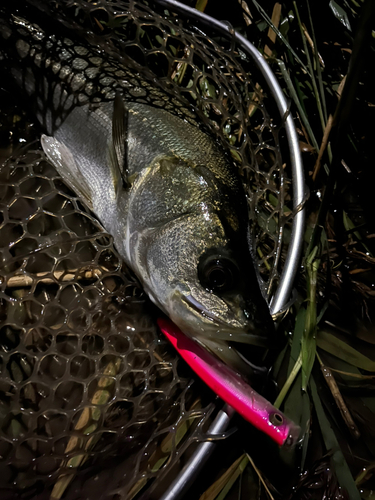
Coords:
92,399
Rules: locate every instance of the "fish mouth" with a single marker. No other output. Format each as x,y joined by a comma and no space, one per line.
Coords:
197,306
222,331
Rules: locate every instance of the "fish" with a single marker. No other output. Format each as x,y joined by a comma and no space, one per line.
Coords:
163,187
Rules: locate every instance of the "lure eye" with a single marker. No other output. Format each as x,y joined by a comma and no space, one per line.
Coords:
217,274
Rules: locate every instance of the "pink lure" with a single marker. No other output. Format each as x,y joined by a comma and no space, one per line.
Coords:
231,387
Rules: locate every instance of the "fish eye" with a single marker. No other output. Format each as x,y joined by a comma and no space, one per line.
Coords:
217,274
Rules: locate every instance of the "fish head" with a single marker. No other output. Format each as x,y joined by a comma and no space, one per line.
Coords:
224,296
218,297
199,265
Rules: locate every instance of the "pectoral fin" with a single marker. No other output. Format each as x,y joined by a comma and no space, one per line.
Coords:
118,145
62,159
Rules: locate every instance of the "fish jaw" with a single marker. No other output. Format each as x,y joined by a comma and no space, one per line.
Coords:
191,316
213,332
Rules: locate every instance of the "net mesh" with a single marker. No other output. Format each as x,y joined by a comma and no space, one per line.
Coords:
83,372
91,398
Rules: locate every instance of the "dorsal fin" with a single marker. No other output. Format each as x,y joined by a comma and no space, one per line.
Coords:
118,144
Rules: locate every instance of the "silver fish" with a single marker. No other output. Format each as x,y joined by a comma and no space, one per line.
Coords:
162,187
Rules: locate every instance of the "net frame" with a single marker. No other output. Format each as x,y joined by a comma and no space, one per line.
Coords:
286,280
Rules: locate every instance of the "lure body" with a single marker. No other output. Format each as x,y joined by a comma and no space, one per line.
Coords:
232,388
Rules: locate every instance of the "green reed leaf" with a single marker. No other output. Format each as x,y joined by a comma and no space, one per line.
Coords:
337,347
308,343
229,477
340,14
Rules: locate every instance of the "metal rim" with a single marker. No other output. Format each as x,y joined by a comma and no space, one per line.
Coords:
182,482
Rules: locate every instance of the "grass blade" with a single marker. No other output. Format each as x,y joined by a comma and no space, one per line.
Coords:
317,63
292,376
276,13
201,5
229,476
335,391
241,467
337,347
311,68
260,477
296,100
341,468
308,344
340,14
279,34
